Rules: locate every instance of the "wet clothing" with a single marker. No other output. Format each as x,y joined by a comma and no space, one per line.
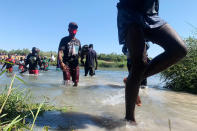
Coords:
142,12
71,49
72,72
33,60
90,70
91,59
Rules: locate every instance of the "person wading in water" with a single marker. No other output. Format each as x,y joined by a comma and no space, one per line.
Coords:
137,22
68,55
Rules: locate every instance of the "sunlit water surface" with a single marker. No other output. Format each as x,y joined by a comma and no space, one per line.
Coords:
97,104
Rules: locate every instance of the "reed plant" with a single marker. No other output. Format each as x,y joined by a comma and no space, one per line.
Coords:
16,106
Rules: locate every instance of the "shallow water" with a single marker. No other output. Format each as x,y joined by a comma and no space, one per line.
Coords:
98,103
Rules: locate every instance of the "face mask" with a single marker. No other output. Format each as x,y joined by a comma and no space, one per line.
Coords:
74,32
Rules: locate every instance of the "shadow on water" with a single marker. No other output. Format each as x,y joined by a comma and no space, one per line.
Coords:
76,120
116,86
113,86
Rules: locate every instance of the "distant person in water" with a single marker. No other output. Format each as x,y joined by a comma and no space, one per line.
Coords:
91,60
68,55
58,62
45,63
33,60
21,64
138,21
42,65
9,63
52,57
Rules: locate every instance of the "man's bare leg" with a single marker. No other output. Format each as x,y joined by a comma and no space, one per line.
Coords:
136,45
173,45
174,50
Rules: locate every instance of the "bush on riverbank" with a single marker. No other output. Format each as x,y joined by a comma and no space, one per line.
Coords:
183,75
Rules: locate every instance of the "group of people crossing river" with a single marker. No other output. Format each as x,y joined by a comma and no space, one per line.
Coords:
27,63
69,52
138,22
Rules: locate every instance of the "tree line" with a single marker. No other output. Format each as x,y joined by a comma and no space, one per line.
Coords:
113,57
25,51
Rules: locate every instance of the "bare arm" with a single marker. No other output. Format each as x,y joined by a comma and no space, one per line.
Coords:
62,65
60,54
39,61
96,61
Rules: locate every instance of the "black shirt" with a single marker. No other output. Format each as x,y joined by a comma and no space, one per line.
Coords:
71,48
146,7
33,60
91,57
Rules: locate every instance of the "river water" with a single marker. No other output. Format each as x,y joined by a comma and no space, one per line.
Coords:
97,104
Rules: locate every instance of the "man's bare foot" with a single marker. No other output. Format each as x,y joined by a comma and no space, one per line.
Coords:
66,82
138,101
125,80
130,122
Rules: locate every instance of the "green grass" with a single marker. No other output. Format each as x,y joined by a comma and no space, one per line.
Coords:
17,105
111,64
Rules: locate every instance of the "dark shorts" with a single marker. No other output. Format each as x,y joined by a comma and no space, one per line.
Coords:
89,70
127,17
72,72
